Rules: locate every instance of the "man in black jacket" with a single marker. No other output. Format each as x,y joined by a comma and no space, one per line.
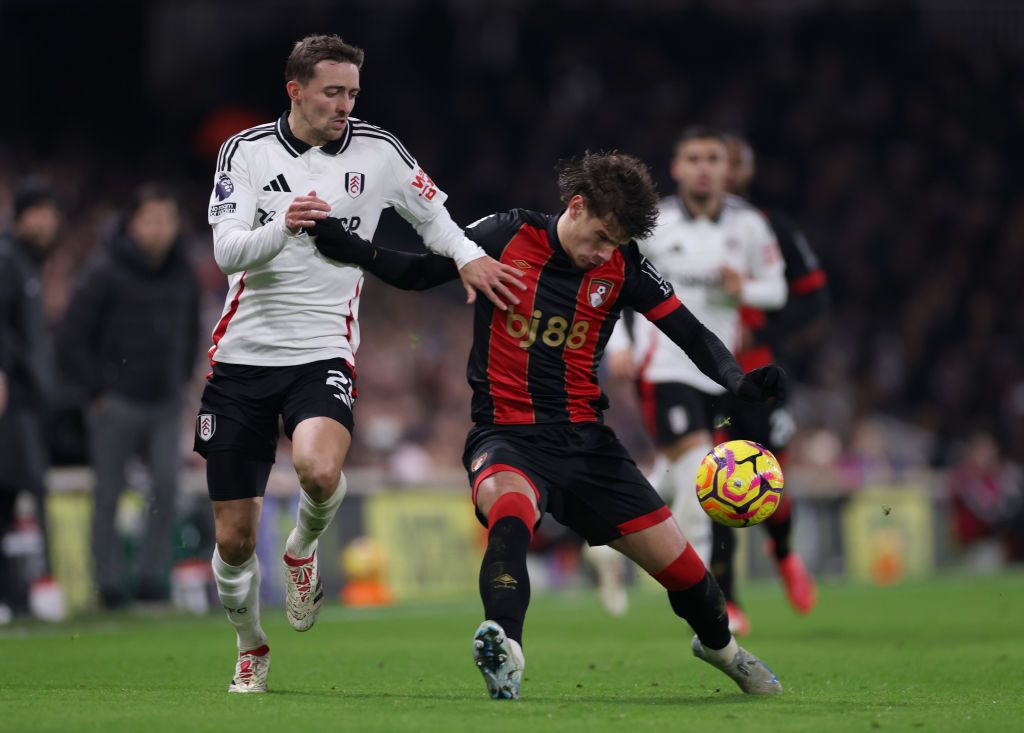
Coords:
27,370
129,345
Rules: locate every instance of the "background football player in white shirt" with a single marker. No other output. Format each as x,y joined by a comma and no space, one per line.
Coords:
769,337
286,342
719,253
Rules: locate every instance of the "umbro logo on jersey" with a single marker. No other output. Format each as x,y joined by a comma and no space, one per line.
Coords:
278,184
522,264
354,183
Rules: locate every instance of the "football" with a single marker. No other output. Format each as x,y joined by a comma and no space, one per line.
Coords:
739,483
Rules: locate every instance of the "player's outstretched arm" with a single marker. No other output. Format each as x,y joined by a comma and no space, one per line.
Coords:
711,356
404,270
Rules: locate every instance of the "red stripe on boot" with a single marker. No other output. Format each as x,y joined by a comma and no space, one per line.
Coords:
684,572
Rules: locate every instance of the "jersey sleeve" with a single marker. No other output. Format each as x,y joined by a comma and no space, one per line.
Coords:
495,231
764,284
233,196
803,270
645,290
419,201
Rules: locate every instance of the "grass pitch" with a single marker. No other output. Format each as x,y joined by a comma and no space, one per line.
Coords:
940,655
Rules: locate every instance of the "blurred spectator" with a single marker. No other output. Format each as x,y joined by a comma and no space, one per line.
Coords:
27,371
128,346
988,500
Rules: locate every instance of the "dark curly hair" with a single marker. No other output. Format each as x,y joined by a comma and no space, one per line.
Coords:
613,184
311,50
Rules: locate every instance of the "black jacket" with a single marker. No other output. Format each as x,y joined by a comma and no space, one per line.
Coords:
26,349
130,329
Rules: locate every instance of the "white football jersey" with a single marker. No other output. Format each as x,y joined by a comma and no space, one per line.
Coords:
689,252
286,303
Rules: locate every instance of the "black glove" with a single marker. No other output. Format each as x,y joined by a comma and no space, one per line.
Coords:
337,243
761,384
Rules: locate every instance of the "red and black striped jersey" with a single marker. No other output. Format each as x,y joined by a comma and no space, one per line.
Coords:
537,362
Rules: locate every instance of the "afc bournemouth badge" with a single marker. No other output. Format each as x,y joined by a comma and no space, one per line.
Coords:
206,426
478,461
354,183
599,292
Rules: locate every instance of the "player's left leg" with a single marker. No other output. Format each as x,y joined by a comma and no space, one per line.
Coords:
318,419
319,448
607,500
664,553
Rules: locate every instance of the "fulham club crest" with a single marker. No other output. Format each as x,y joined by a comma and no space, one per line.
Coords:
599,292
206,426
354,183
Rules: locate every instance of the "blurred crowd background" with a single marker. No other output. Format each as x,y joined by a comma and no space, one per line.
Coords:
889,130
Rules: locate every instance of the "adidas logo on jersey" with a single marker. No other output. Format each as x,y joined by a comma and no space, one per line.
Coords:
278,184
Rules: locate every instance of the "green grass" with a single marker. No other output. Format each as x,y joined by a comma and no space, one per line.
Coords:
945,654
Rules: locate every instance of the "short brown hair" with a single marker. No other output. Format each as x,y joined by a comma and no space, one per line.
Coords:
311,50
699,132
612,184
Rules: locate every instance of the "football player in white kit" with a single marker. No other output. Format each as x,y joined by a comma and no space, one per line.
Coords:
719,253
285,344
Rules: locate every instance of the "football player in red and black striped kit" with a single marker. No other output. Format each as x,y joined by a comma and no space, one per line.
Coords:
771,425
539,443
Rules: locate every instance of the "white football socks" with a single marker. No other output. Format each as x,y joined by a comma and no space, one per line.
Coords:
726,654
239,589
695,524
312,519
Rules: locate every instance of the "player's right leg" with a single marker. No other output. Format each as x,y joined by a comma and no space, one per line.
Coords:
236,568
507,498
663,552
236,432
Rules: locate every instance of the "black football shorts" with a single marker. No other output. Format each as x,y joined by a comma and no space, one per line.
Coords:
241,404
580,473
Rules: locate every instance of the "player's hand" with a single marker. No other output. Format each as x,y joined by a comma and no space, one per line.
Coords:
305,211
336,242
493,279
621,364
732,281
763,383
